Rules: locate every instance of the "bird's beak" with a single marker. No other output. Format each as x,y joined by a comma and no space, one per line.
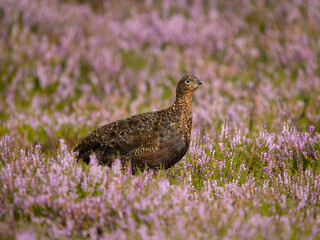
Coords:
200,83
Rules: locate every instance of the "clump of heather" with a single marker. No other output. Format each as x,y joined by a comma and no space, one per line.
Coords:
229,186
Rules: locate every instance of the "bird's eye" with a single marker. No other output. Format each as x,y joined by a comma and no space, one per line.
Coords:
187,81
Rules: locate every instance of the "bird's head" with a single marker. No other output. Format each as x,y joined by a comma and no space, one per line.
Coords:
188,85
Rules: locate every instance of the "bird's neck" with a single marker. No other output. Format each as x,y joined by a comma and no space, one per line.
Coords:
184,101
183,108
183,105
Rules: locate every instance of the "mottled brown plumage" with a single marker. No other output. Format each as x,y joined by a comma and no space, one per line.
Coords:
155,139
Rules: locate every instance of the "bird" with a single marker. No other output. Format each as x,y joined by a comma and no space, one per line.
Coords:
150,140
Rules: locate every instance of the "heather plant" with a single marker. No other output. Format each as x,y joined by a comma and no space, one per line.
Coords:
252,171
217,191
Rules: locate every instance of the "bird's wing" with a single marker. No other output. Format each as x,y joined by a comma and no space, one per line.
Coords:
121,136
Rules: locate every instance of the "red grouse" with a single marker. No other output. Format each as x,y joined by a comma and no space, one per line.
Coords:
154,140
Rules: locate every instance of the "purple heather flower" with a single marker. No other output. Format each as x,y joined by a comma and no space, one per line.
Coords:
311,129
